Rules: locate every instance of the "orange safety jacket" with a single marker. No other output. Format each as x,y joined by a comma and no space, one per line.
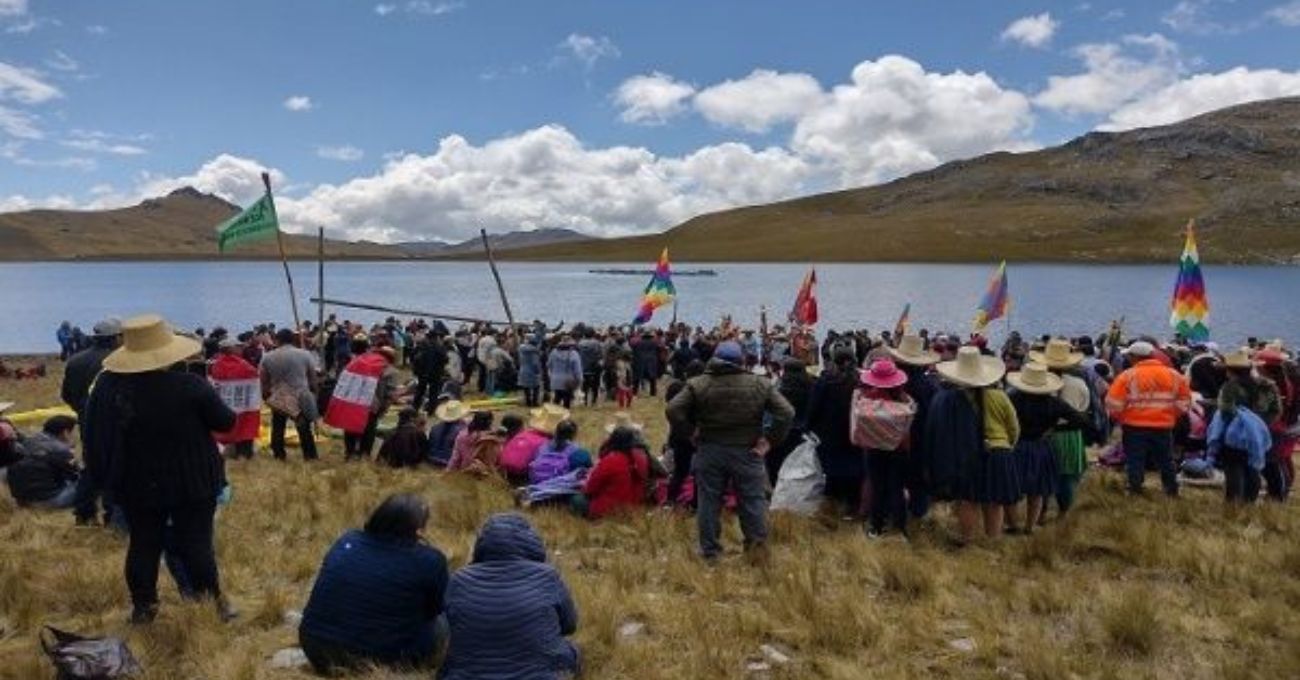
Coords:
1149,395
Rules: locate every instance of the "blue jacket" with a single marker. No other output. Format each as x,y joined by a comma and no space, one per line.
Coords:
376,597
1244,432
508,610
530,366
565,367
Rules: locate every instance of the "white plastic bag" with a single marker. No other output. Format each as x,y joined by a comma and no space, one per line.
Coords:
800,483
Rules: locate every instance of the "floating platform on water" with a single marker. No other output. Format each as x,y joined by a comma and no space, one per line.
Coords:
650,272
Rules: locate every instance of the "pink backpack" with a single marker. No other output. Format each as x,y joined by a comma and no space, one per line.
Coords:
880,424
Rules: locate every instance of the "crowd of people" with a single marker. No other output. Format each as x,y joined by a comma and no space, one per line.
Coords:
893,423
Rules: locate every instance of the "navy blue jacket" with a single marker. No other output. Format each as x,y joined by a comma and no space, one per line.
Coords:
377,597
508,610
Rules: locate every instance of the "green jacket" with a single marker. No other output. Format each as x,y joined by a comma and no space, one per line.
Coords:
730,406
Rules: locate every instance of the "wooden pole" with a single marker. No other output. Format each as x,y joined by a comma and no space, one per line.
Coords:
487,247
284,260
403,312
320,289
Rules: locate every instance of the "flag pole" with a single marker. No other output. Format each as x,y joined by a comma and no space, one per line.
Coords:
284,260
487,247
320,289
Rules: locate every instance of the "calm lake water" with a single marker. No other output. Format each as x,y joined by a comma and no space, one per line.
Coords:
1071,299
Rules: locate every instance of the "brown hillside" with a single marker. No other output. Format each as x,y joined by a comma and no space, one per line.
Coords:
1104,196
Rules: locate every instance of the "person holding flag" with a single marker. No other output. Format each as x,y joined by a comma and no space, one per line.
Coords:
237,383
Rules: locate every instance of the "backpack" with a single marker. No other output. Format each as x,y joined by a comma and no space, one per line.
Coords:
550,463
881,424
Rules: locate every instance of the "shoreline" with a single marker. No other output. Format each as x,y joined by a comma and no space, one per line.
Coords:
506,257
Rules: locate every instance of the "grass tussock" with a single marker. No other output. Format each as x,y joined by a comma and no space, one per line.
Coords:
1121,588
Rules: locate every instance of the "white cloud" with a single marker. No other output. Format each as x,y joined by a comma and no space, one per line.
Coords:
652,99
13,8
15,123
1113,75
344,152
760,100
236,179
299,103
25,86
1287,15
62,62
894,117
1032,31
1114,14
433,8
384,9
100,143
97,29
1202,93
589,49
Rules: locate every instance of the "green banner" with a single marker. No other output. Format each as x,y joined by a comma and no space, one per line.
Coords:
256,223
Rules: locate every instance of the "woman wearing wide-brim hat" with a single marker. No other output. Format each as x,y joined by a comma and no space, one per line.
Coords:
881,426
1067,438
1275,364
151,425
914,359
973,429
1040,411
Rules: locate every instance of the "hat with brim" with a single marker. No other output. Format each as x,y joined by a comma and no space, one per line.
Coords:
1057,354
108,328
972,369
6,405
546,418
1238,359
911,351
883,374
149,344
1140,349
1034,378
1270,357
452,411
622,419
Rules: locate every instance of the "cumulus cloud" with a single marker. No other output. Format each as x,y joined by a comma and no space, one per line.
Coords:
1202,93
25,86
15,123
420,7
299,103
104,147
894,117
62,62
1114,74
760,100
1287,15
589,49
345,152
652,99
1032,31
13,8
236,179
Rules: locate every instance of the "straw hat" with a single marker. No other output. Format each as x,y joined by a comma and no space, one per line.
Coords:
1058,354
622,419
1239,358
972,369
911,351
883,374
149,344
1034,378
545,419
6,405
452,411
1270,357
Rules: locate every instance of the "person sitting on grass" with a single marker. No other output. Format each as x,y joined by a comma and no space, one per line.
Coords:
559,456
520,451
508,611
45,477
511,425
379,596
477,448
409,445
451,414
618,482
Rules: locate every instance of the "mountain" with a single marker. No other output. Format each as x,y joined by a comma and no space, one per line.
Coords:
179,225
1122,196
500,243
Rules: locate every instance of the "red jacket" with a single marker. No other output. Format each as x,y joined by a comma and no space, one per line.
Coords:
237,382
618,481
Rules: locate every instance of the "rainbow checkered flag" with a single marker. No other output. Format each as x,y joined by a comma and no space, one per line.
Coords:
996,300
1190,308
659,292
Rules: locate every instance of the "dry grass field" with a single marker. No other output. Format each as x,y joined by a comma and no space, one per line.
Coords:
1123,588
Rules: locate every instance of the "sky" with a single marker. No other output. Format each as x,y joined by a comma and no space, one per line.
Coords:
399,120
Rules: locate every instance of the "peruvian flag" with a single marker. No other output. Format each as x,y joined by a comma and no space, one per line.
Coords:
805,303
237,382
354,394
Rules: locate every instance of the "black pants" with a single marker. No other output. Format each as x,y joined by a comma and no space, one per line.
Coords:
360,445
426,388
1275,478
240,450
646,378
590,388
887,471
563,398
1240,481
306,440
190,537
532,396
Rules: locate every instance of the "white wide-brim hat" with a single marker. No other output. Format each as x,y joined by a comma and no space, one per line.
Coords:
972,369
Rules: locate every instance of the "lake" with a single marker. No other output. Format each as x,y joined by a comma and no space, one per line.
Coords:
1068,299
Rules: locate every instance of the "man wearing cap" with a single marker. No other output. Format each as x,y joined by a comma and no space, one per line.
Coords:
737,417
288,377
78,376
1147,400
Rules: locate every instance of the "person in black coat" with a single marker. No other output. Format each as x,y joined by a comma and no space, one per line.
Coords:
78,376
429,366
150,427
646,367
796,386
829,408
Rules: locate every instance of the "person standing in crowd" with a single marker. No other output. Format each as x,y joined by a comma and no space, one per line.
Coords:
288,377
78,377
738,416
1069,435
829,410
379,596
1039,411
530,371
681,442
564,366
366,389
882,414
508,610
592,353
429,364
912,357
239,385
646,365
1243,390
796,386
1147,400
1274,365
153,426
45,477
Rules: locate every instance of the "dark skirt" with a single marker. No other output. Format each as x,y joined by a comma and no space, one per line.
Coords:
1038,469
1001,478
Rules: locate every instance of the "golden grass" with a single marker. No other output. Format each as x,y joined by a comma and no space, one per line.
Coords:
1123,588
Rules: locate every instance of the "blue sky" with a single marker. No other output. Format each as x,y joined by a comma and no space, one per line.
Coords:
404,119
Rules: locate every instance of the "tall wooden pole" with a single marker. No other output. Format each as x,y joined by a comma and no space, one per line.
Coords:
320,289
487,247
284,260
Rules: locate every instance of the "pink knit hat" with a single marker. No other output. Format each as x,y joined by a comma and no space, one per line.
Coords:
883,374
